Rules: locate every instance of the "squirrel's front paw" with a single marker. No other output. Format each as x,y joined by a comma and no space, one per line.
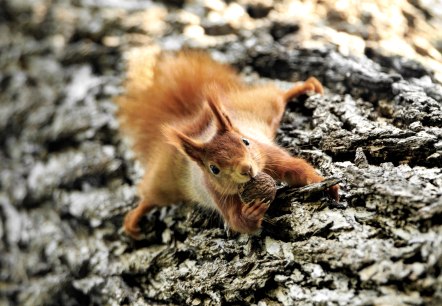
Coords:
255,210
333,191
131,226
251,216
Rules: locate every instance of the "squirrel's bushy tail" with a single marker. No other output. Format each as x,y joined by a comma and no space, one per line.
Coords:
165,88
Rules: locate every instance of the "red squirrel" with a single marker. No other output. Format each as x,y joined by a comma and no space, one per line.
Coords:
200,133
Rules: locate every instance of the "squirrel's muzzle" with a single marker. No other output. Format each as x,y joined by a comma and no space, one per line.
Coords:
246,170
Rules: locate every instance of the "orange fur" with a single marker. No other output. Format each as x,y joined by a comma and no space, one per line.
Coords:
194,118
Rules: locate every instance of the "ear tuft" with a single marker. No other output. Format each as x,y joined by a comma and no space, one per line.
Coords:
213,100
183,143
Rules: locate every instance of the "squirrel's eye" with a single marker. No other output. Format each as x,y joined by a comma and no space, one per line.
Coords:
215,170
246,142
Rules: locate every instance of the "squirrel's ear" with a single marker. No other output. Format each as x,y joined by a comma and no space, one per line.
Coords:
223,121
185,144
212,92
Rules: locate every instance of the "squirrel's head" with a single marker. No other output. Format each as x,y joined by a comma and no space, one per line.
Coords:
229,159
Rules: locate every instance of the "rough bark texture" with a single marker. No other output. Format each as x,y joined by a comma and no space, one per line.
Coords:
67,179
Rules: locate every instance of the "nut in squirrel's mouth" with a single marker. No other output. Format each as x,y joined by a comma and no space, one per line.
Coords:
242,186
261,187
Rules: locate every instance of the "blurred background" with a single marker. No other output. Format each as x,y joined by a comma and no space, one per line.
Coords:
407,28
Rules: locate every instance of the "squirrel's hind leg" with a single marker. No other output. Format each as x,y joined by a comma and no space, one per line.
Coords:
300,88
311,84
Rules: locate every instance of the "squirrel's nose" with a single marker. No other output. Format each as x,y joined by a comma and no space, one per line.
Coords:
246,170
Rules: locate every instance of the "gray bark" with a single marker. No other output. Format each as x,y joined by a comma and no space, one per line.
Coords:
67,179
